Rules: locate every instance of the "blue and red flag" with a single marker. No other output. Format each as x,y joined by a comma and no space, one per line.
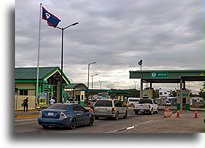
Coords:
52,20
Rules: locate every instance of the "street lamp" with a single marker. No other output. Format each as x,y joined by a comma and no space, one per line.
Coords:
89,71
141,83
92,79
135,84
100,83
62,29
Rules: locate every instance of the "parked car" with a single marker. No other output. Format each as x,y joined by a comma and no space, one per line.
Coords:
66,115
146,106
110,108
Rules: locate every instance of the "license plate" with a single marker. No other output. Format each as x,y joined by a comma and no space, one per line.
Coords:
50,114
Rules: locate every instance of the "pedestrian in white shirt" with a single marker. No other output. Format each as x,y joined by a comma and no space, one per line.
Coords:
52,101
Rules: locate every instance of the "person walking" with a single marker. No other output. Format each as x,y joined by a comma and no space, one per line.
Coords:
52,101
25,104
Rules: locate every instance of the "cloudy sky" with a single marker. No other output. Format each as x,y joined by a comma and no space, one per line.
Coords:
165,34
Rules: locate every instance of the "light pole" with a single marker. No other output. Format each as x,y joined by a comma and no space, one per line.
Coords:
89,71
135,84
100,83
141,83
92,79
62,29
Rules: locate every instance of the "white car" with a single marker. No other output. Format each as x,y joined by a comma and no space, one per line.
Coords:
109,108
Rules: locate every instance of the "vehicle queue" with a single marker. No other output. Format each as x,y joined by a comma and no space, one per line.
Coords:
71,115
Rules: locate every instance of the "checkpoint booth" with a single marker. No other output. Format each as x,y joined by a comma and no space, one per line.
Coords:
75,93
185,99
169,76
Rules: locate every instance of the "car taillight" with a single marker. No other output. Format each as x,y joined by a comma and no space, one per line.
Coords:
113,109
62,115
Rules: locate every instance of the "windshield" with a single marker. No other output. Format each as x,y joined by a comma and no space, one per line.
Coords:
145,101
104,103
59,106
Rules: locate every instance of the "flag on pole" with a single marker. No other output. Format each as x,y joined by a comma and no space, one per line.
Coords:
52,20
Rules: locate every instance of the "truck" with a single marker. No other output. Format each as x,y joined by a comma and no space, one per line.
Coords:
146,106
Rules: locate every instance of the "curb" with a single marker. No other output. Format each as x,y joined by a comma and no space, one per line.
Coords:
25,116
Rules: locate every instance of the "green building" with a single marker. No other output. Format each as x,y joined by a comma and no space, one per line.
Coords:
50,79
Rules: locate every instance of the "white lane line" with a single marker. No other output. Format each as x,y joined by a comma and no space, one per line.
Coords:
131,127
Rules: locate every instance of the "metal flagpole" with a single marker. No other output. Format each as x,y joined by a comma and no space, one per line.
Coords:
39,38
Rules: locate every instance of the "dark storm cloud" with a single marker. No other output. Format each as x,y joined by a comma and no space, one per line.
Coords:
116,34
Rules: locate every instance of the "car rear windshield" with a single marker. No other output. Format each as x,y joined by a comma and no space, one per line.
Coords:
145,101
59,106
104,103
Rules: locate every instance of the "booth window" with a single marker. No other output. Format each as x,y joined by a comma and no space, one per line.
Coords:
23,92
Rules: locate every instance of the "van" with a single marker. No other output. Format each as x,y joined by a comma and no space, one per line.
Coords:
133,101
110,108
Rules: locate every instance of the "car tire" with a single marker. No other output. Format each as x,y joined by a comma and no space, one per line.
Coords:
151,112
125,116
117,116
45,126
91,121
73,124
97,118
136,112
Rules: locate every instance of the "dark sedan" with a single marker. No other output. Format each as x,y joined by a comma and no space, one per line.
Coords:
66,115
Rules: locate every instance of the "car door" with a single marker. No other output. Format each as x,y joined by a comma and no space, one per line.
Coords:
118,106
85,115
78,114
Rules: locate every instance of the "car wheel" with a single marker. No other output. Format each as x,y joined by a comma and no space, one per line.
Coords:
152,112
156,112
45,126
117,116
125,116
96,118
91,121
73,124
136,112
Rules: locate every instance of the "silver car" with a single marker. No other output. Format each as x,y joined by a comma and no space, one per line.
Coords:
110,108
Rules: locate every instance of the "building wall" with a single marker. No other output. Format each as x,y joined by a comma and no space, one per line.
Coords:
27,86
19,100
147,93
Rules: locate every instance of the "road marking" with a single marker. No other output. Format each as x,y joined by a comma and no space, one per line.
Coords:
131,127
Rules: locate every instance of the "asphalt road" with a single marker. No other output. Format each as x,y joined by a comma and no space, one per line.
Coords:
133,124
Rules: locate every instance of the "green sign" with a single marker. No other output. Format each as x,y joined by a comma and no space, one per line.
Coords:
159,74
65,95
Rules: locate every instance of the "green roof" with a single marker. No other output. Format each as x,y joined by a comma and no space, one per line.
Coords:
30,73
76,86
